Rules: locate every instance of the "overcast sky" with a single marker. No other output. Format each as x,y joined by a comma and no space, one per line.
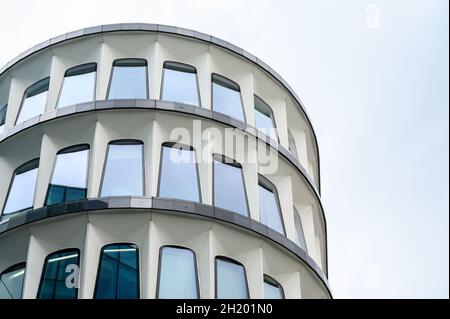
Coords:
373,76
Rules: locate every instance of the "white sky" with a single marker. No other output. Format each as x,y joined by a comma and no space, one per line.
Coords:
378,99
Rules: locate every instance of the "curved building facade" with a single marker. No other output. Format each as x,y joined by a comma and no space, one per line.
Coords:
149,161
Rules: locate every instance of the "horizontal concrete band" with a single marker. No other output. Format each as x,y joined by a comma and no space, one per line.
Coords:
165,205
147,27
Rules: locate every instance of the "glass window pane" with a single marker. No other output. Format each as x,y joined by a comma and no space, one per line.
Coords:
264,118
123,173
272,290
78,85
178,177
292,147
231,280
34,100
177,274
21,192
11,282
227,98
118,275
2,118
69,176
57,281
268,209
128,79
229,189
180,84
299,234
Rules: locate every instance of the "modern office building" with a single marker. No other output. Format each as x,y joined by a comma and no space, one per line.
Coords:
150,161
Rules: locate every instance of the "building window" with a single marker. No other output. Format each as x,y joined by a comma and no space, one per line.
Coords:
2,118
272,289
34,100
292,147
229,187
299,234
11,282
118,272
177,275
231,279
60,275
178,177
226,97
69,179
22,188
78,85
269,206
264,119
124,169
180,83
128,79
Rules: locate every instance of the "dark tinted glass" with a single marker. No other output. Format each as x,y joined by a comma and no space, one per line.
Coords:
128,79
11,282
34,100
229,189
59,280
69,176
226,97
118,273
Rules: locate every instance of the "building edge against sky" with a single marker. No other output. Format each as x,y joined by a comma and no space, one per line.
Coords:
94,204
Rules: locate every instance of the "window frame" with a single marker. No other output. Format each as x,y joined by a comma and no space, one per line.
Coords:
14,267
158,278
138,257
20,170
297,213
271,281
24,97
5,109
105,162
44,268
234,261
71,69
181,64
226,81
291,138
181,146
272,116
230,161
67,150
269,186
108,91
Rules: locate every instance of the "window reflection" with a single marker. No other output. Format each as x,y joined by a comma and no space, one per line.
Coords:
34,100
128,79
180,83
118,273
69,178
178,174
78,85
226,97
2,118
292,146
21,191
299,234
231,279
124,169
269,208
60,275
177,274
264,120
11,282
272,289
229,189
